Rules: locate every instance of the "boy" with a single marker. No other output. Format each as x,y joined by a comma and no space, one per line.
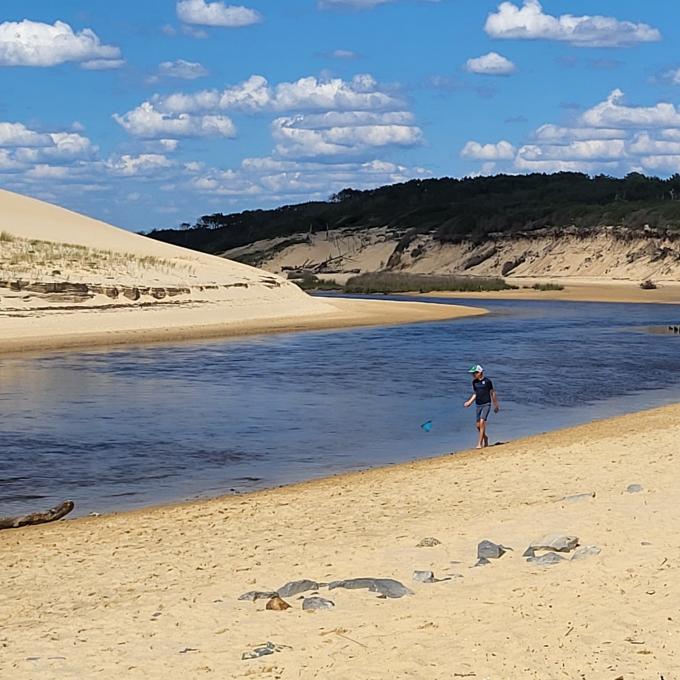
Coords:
483,396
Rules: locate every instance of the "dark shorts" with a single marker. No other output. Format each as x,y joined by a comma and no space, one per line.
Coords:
483,411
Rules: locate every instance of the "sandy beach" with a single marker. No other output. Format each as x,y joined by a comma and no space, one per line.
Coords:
577,289
68,281
154,593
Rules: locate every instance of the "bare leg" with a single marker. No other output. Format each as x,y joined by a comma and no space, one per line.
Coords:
483,439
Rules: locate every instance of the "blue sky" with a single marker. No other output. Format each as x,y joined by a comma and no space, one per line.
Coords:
148,114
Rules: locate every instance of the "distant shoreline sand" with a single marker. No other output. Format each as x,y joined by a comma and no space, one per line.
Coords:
64,330
155,591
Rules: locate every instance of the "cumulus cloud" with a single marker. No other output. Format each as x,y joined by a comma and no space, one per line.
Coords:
146,163
276,179
491,64
362,93
530,22
216,14
186,70
147,122
609,137
31,43
102,64
488,152
315,136
343,54
614,113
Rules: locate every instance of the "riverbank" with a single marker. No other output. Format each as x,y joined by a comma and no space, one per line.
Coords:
153,593
99,327
579,290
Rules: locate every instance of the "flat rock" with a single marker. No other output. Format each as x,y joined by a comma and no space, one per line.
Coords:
586,551
314,603
277,604
429,542
634,488
253,595
547,560
579,497
263,650
424,576
555,542
490,550
385,587
293,588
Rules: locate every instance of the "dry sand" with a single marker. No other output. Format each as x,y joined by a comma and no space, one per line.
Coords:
153,594
70,281
579,290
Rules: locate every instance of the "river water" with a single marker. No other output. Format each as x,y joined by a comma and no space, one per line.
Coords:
130,427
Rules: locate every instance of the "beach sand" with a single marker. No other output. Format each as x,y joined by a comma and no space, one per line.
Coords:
153,593
582,289
67,280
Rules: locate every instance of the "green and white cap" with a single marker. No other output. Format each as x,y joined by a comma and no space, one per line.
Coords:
476,368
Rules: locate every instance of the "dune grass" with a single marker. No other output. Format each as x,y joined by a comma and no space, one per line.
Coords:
389,282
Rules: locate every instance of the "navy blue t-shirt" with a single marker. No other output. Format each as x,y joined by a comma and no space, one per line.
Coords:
482,389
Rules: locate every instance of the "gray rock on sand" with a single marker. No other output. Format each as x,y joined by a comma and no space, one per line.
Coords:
529,552
429,542
481,562
579,497
385,587
555,542
253,595
314,603
586,551
293,588
263,650
490,551
634,488
547,560
424,576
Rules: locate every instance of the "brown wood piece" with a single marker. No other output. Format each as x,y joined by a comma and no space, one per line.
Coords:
52,515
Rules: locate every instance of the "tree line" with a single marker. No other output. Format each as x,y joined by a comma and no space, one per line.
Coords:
453,210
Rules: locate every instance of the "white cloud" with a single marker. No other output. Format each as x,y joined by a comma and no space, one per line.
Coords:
279,179
491,64
362,93
316,136
31,43
147,122
557,133
488,152
530,22
216,14
613,113
590,150
102,64
145,163
17,134
187,70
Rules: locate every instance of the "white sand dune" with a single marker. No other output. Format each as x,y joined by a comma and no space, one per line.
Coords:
69,280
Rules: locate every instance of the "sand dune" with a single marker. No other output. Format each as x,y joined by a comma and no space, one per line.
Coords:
68,280
598,255
153,594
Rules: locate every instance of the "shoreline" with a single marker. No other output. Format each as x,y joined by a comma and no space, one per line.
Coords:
575,290
88,329
137,588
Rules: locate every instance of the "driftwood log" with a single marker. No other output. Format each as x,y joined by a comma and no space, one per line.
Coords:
51,515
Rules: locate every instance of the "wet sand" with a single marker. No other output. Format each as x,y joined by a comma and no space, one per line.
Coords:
111,327
153,593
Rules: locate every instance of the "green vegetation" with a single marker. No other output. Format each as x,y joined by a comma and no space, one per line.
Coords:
309,281
32,257
453,210
386,282
547,286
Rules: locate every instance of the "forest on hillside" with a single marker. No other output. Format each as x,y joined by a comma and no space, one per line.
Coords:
453,210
